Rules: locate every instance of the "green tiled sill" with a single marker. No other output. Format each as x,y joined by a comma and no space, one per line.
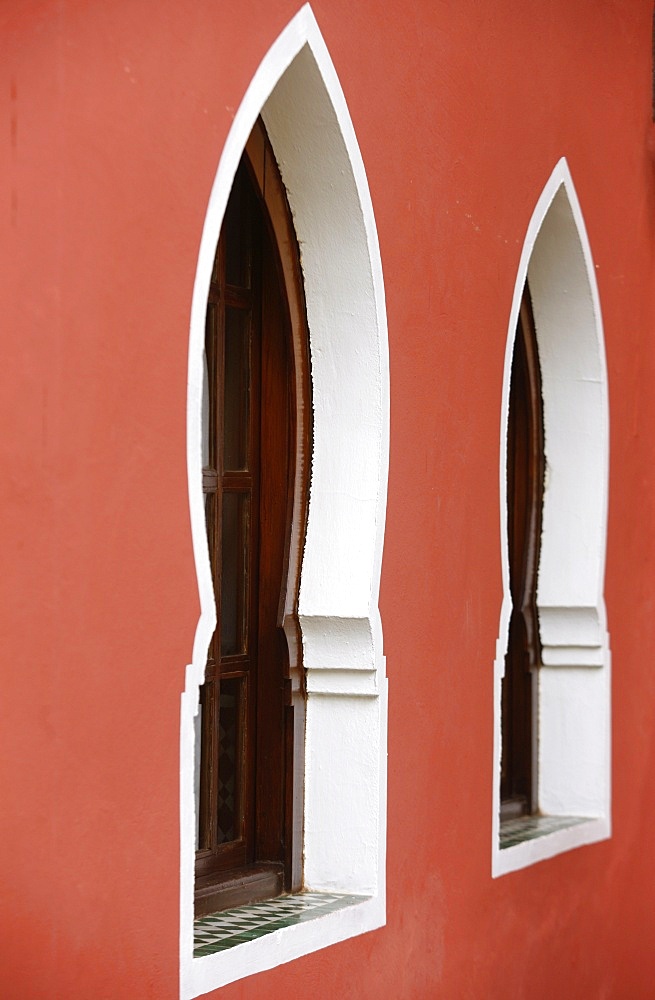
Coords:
517,831
247,923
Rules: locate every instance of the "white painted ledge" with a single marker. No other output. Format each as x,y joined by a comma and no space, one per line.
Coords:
549,845
284,945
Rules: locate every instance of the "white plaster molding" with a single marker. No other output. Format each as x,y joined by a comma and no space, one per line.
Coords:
574,683
298,94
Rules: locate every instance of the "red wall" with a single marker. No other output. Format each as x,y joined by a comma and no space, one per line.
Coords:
115,115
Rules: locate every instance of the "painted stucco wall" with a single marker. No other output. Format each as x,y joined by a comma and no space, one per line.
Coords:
115,116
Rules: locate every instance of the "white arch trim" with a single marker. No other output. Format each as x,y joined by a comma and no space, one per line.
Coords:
298,94
573,758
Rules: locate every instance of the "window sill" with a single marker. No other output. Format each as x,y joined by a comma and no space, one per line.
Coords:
523,842
225,930
522,828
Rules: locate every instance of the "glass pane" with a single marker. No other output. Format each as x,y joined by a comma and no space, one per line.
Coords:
204,743
197,724
216,268
234,573
229,764
209,388
237,249
236,390
210,521
205,410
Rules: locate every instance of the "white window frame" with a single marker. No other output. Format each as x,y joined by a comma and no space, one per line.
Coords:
297,92
573,756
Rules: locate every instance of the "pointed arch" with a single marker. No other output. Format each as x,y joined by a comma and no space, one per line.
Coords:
573,755
297,93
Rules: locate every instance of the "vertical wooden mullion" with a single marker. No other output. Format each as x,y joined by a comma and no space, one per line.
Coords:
216,457
533,544
518,721
536,461
525,477
274,433
250,715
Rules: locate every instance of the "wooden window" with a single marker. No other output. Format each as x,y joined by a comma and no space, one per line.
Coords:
256,440
525,489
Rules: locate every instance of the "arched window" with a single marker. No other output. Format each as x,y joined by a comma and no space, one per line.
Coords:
255,444
552,669
336,789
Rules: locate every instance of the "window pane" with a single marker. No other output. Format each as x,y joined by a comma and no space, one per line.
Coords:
209,388
237,390
237,236
234,573
205,754
197,724
210,521
229,763
205,410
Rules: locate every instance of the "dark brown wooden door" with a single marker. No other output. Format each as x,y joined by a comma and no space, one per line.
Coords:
525,485
249,464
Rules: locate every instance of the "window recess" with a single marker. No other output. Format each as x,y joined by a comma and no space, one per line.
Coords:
551,789
338,786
